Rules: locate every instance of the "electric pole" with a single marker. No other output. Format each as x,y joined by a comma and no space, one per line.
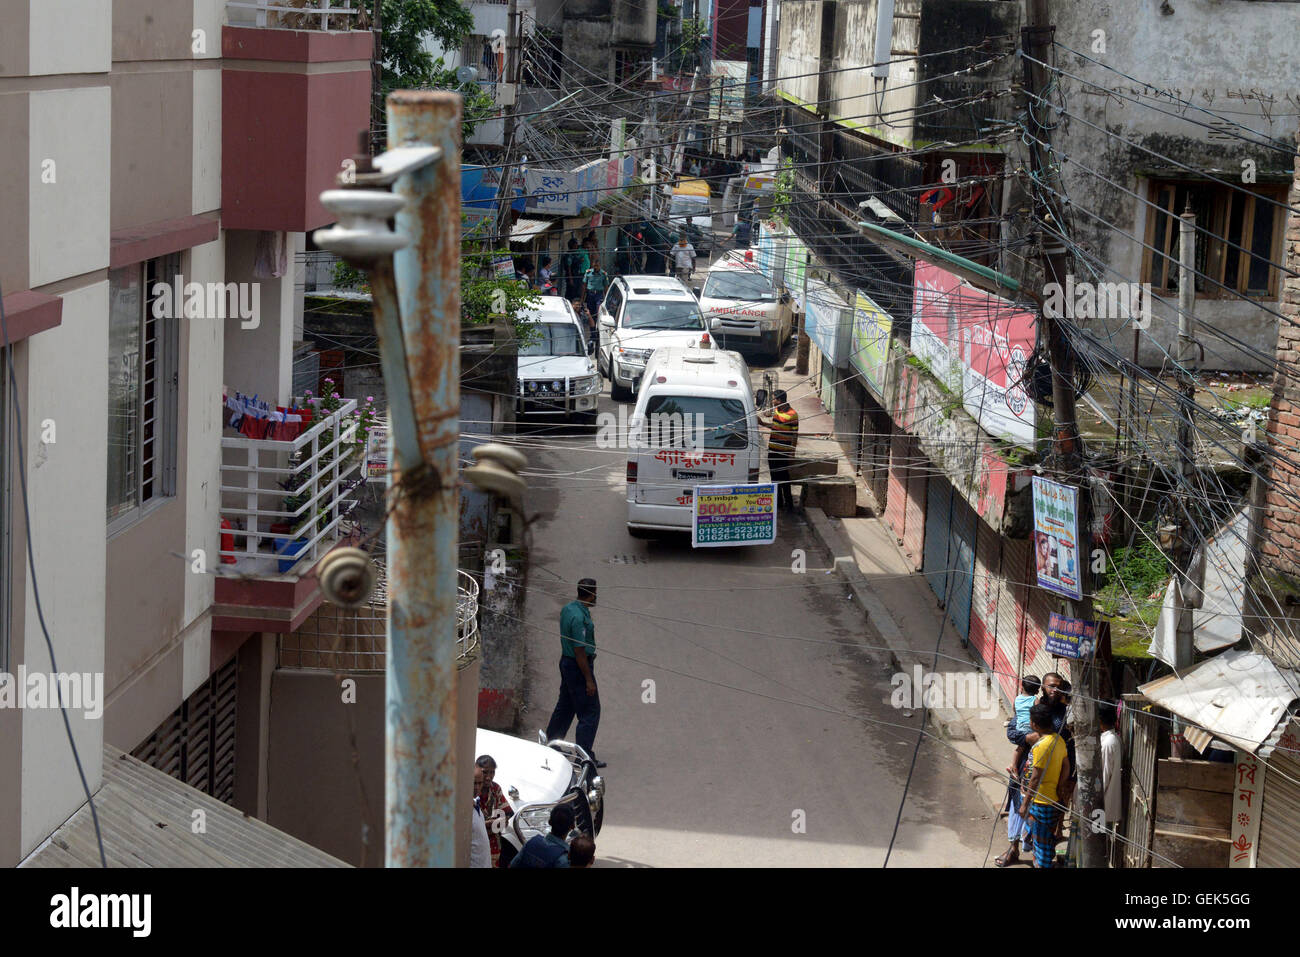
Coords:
1066,458
1189,592
509,79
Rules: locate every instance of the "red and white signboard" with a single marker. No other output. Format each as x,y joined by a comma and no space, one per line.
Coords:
978,346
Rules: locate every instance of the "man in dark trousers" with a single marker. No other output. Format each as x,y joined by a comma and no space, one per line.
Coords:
781,446
578,695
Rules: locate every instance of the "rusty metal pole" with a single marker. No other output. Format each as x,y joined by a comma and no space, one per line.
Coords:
420,711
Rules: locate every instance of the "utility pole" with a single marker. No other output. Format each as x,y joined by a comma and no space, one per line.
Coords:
1189,591
1067,448
415,277
505,192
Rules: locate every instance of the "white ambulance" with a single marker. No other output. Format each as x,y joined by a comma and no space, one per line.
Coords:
742,307
694,423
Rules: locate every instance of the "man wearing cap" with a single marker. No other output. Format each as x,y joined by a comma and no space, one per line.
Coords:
578,694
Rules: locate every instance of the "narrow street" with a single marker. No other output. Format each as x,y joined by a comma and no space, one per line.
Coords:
765,702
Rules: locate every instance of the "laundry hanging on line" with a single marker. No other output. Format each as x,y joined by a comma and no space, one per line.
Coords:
259,420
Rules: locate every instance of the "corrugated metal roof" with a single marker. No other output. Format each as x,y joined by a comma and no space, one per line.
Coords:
146,818
1217,623
526,229
1239,696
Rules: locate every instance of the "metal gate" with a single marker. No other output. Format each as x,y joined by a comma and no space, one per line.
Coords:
1279,814
961,559
938,523
1140,741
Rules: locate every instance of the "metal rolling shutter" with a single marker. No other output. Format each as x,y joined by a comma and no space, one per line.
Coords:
984,596
938,522
914,525
961,559
876,468
1279,816
896,498
1011,615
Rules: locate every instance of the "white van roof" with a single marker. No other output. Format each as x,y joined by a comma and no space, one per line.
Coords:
549,309
695,367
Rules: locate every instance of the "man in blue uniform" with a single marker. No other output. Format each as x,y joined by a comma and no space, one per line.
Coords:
578,694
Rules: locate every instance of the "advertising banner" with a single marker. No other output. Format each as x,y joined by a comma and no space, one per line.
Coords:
1071,637
1056,537
730,76
978,346
796,265
870,343
733,515
377,454
826,320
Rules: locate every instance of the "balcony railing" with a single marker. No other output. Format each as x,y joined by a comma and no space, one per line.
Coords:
354,639
293,14
312,474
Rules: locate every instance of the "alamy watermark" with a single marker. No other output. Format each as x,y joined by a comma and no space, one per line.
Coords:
208,300
964,691
1099,300
676,430
76,691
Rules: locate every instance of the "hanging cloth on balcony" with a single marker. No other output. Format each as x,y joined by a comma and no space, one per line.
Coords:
258,420
271,259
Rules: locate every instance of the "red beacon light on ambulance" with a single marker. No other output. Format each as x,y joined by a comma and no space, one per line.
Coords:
704,342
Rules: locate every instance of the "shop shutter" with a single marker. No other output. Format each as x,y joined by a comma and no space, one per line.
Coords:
877,448
896,497
914,524
961,560
1012,596
984,597
938,522
1279,816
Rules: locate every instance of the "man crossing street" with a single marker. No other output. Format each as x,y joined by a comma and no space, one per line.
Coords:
578,693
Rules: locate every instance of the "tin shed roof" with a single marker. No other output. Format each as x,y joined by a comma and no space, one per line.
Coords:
146,817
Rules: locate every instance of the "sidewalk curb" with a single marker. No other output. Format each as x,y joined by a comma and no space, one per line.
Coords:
947,722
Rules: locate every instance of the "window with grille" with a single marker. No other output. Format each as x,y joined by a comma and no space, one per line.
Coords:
1238,237
143,380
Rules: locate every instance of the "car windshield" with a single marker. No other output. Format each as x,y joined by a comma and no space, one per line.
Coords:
680,420
736,284
684,207
651,314
555,339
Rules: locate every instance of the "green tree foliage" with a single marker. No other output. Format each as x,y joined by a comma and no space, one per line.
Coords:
784,191
407,65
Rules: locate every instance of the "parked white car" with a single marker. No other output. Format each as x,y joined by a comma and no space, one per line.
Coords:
641,314
742,306
556,372
535,778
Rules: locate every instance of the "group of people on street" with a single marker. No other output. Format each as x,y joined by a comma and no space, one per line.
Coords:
1043,774
492,813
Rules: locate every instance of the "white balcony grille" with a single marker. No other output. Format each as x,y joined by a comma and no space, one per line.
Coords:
293,14
354,639
315,475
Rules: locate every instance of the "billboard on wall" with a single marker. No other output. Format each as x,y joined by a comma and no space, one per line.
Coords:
554,191
796,266
727,99
1056,537
978,345
870,342
826,321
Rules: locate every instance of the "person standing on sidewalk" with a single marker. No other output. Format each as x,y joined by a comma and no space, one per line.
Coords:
1041,802
781,445
683,259
578,692
595,279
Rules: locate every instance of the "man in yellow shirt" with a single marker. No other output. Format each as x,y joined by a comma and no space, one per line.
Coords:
1050,766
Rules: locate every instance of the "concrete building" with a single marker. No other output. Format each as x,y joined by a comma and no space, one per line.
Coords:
159,148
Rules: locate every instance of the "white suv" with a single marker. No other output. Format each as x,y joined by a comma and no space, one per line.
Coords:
555,371
742,306
640,314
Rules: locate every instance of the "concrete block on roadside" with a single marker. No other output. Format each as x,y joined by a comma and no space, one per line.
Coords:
836,495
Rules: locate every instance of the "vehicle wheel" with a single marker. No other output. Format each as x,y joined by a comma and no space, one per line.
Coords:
618,393
639,533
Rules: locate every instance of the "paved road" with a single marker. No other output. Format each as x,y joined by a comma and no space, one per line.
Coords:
750,729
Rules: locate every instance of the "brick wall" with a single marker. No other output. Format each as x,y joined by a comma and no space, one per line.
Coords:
1276,598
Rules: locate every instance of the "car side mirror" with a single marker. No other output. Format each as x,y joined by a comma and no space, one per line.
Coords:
760,399
785,298
591,347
